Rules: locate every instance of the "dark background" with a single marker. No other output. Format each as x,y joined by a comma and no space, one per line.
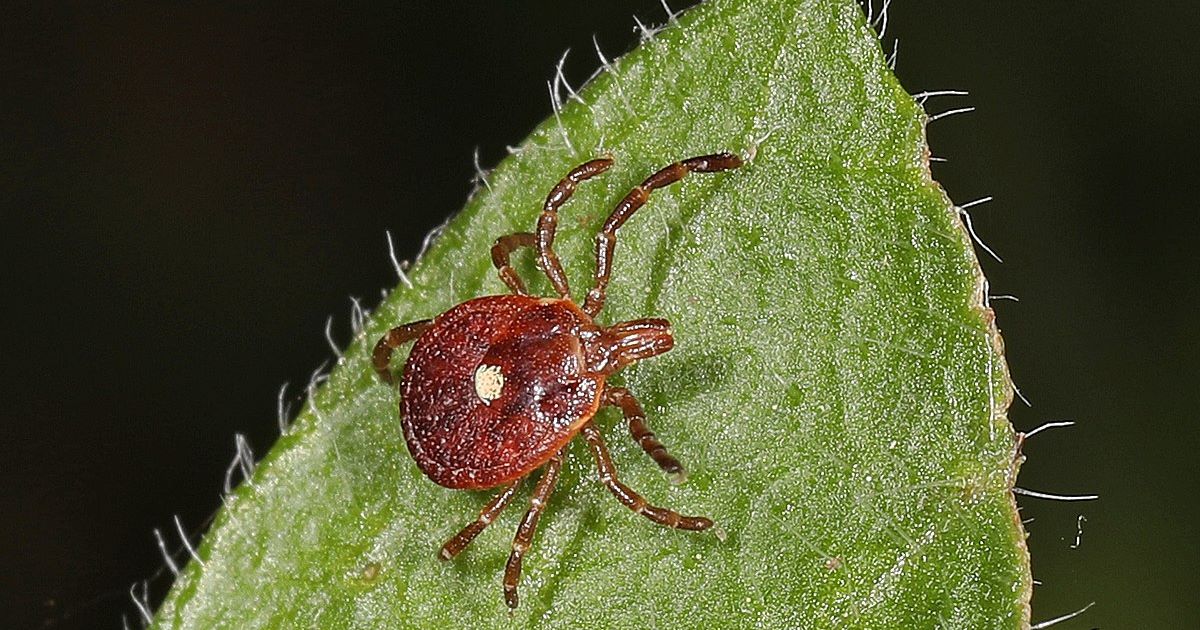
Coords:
188,193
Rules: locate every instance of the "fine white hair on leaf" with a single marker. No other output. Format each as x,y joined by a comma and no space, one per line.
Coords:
647,32
283,410
358,316
1057,620
870,11
395,262
752,150
671,15
977,202
934,158
162,547
1005,296
310,390
246,457
187,544
1054,424
883,18
607,66
962,212
921,97
228,485
337,352
557,105
243,461
1079,521
1054,497
950,112
987,297
891,60
480,177
561,79
1021,395
142,602
317,377
555,98
604,62
985,291
431,236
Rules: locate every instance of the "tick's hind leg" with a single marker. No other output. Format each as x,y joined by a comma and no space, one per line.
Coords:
631,499
486,516
636,417
541,494
396,337
502,250
548,221
606,240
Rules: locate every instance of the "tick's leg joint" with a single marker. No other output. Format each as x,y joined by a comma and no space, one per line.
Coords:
524,537
489,513
631,499
502,251
606,240
636,417
548,221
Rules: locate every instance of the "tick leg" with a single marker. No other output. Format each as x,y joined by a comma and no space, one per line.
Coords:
541,494
606,240
486,516
547,223
396,337
631,499
504,247
636,417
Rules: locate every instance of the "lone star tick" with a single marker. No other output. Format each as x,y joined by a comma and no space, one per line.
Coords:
496,387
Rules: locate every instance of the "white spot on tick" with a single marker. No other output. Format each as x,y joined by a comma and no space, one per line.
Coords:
488,383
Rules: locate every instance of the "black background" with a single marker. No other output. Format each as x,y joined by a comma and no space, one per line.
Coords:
189,192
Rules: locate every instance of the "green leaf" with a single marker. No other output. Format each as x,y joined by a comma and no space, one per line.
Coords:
837,390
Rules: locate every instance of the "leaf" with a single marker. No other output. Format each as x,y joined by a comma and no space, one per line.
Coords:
837,390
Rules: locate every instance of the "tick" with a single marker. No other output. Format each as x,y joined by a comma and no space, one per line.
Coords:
497,386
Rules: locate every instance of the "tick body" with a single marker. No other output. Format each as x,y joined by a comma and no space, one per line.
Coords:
496,387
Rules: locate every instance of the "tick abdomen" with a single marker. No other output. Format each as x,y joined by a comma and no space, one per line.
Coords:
494,387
